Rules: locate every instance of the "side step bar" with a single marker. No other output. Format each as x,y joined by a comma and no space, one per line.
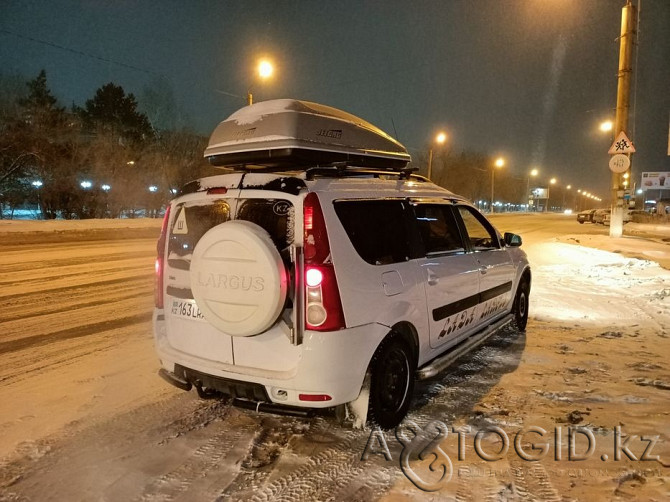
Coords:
440,363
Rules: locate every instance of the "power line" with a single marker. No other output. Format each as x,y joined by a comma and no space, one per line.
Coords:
80,53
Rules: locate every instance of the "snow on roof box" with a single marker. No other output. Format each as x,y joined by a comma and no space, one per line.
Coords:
289,134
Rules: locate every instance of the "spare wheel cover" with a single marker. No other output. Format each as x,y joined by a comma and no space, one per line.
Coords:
238,278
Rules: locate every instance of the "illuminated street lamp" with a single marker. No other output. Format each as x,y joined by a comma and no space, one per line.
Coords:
500,162
86,184
105,188
264,70
533,173
440,139
153,188
38,184
552,181
564,194
606,126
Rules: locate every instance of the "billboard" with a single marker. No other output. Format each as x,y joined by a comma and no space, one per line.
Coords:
655,180
543,193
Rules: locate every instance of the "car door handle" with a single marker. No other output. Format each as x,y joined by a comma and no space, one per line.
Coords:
432,278
483,269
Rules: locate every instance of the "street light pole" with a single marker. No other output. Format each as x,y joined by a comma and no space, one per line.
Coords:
532,173
265,69
567,188
493,178
552,181
439,139
430,163
498,163
628,15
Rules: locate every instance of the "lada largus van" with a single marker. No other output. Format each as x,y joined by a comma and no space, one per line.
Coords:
320,272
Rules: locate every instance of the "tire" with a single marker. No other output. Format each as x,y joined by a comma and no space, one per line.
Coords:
521,302
580,222
238,278
392,382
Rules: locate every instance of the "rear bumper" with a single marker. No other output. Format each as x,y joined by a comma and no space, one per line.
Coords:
331,364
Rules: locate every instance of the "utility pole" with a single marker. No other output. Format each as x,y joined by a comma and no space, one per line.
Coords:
627,38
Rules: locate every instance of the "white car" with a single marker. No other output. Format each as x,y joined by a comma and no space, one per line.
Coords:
322,273
607,217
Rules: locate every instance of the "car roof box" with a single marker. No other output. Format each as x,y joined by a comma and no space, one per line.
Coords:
288,134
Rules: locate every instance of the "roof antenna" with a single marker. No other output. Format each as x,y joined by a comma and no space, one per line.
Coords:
394,131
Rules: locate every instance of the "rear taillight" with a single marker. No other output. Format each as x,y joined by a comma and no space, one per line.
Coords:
323,308
160,261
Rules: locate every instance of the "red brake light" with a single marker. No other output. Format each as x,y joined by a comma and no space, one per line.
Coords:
160,259
309,218
323,307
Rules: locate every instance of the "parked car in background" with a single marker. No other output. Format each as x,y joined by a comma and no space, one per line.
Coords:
585,216
599,216
608,216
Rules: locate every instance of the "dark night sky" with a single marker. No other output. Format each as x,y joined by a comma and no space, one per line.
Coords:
526,79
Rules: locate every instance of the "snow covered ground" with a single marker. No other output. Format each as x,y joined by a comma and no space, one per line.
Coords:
83,415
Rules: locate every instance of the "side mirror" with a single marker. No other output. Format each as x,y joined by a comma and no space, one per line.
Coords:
512,240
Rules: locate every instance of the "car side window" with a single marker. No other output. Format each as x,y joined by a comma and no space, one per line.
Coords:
481,234
378,229
438,229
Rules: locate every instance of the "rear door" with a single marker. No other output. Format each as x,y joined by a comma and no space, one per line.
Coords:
449,272
494,264
187,329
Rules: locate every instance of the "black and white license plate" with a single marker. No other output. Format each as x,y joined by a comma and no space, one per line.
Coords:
187,309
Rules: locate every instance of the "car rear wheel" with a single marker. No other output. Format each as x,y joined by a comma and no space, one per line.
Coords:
392,382
521,305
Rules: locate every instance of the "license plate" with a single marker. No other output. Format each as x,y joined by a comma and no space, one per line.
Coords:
187,309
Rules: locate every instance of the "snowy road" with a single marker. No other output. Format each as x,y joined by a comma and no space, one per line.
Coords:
83,415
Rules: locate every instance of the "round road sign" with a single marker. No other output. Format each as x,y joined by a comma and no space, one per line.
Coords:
619,163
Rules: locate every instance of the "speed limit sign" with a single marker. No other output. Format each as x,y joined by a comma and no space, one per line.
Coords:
619,163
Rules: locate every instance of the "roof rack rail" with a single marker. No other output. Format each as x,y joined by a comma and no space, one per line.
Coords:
344,169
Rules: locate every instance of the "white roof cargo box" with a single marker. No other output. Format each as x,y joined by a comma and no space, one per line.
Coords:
290,134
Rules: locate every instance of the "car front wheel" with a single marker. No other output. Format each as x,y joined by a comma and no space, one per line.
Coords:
521,305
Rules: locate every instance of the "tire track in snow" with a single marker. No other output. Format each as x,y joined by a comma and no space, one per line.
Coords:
39,294
196,467
336,473
77,332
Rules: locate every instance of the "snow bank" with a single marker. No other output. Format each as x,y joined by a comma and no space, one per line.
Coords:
12,226
577,283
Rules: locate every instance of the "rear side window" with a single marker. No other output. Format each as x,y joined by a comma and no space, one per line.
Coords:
273,215
378,229
438,229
